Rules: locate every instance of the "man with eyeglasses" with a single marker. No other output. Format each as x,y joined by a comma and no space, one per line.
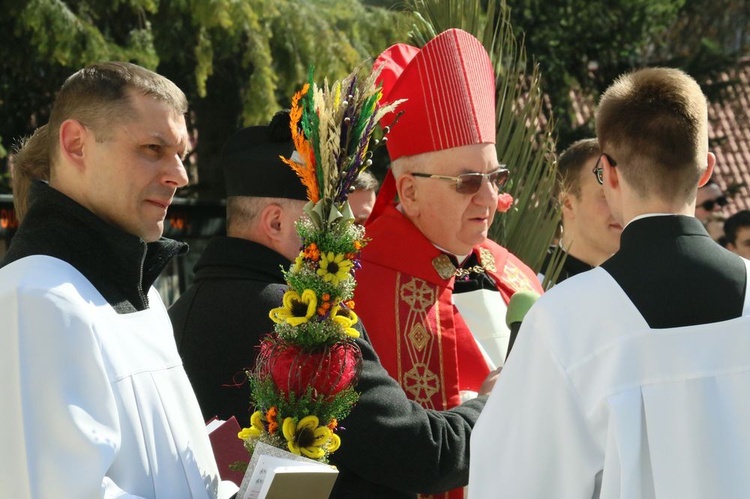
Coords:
433,289
590,234
631,380
709,206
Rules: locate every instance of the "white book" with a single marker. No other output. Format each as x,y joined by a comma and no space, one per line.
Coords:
277,474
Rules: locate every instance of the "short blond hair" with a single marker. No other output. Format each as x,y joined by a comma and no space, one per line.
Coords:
654,124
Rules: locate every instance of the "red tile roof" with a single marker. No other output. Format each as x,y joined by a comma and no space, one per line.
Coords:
729,132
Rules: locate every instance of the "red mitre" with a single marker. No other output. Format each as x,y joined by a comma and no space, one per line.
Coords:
449,87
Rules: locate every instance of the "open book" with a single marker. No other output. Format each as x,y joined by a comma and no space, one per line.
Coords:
276,474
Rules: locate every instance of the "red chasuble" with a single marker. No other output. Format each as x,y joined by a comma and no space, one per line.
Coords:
406,308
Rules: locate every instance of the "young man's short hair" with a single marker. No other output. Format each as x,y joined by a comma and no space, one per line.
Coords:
654,124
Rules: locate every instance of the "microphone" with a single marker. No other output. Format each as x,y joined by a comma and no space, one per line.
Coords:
518,307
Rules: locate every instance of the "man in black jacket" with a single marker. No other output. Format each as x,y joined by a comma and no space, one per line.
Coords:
392,447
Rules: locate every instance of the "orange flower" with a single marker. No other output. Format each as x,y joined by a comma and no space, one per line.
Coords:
350,304
324,307
271,414
357,245
332,424
312,252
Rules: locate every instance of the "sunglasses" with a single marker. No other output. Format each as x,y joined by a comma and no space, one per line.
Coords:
469,183
709,204
598,170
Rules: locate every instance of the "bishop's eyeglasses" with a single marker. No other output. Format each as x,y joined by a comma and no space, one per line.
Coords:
469,183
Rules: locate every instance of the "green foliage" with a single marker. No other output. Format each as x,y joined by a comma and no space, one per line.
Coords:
582,46
75,38
524,142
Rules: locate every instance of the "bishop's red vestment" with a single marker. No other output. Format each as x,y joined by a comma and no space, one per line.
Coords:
407,308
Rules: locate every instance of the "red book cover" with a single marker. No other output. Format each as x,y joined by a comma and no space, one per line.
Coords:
228,448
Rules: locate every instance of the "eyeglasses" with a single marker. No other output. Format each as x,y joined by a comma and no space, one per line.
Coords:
469,183
598,170
709,204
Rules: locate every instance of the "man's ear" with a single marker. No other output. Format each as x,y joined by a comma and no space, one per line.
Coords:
567,206
72,137
271,219
710,161
407,194
611,177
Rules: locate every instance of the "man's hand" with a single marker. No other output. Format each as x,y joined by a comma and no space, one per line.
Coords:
489,382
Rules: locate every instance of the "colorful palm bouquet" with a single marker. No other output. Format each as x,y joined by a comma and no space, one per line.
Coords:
303,381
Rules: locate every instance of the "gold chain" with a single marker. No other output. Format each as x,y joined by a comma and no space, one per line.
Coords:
476,269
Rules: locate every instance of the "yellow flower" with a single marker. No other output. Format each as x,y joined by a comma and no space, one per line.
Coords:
334,268
346,318
298,262
256,427
297,309
308,438
334,443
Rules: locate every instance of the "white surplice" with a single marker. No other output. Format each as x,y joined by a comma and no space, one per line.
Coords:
94,403
594,403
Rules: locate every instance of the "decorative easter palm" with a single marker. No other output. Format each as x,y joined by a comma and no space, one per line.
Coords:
303,382
524,138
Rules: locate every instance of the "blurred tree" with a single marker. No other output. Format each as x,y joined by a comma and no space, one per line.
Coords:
582,46
720,25
237,61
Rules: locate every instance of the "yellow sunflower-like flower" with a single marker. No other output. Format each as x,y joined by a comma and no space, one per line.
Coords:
298,262
346,318
309,439
297,309
334,268
256,427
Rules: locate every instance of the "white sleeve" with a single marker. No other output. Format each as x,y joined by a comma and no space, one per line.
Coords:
59,428
532,440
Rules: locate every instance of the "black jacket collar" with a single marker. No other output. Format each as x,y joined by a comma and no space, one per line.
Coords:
121,266
675,274
660,229
235,258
